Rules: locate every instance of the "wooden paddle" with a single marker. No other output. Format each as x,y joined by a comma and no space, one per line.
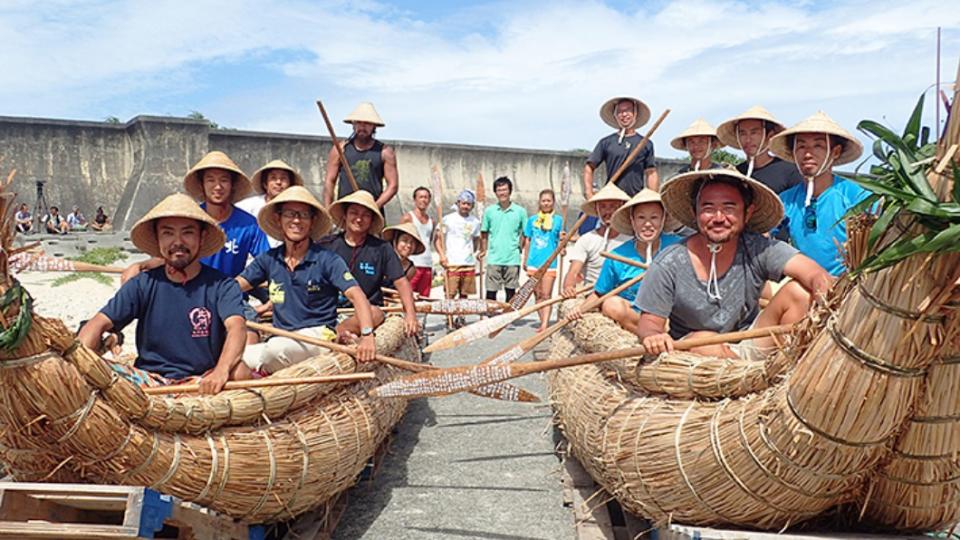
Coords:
503,391
453,306
566,189
452,380
437,182
336,144
481,203
620,258
27,261
523,294
485,327
260,383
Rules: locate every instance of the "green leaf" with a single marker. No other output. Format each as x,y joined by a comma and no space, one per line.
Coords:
916,177
956,183
882,132
881,225
861,206
878,150
881,188
913,124
924,207
946,240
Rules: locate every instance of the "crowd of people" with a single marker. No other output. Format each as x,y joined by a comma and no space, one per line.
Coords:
54,223
710,242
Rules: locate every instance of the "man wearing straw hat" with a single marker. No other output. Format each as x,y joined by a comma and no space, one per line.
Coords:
584,256
189,315
752,131
624,114
371,260
371,161
815,209
711,282
268,182
699,140
304,281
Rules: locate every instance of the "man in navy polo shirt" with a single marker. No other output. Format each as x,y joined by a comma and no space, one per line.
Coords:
304,281
190,316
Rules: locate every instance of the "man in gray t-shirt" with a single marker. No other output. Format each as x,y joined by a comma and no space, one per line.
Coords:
711,283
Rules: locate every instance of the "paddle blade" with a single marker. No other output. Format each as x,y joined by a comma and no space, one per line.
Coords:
444,382
473,332
466,306
523,294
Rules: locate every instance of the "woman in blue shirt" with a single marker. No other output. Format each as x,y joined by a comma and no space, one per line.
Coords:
541,234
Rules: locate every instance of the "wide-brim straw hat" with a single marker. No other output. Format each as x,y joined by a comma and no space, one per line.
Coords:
269,219
818,123
699,128
609,192
621,220
193,182
727,131
394,231
144,233
257,178
338,210
680,192
608,114
364,112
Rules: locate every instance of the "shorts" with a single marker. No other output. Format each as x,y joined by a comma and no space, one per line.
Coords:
551,272
279,352
748,349
422,281
502,277
461,281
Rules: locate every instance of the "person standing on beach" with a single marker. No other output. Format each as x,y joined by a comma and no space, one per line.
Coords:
422,280
500,232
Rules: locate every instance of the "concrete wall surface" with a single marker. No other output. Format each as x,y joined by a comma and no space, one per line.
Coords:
127,168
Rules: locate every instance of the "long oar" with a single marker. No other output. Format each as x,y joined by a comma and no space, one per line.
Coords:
452,380
523,294
27,261
620,258
437,182
453,306
485,327
481,203
566,188
260,383
501,391
336,144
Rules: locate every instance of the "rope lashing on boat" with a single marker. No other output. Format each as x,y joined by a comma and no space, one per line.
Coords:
273,474
833,438
12,337
174,464
214,462
146,463
80,414
897,311
27,360
867,359
226,468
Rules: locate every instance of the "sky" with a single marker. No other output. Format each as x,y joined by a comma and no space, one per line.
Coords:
517,74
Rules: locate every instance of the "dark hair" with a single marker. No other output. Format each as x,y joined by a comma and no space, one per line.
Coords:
422,188
628,100
52,208
547,191
745,192
502,181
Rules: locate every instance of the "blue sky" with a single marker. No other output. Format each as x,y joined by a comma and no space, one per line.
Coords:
527,74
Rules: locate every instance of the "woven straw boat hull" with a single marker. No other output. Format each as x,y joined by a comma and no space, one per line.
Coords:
862,415
258,455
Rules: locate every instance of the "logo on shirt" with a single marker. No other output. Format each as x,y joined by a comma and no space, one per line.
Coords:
313,287
347,276
275,291
368,268
232,246
200,320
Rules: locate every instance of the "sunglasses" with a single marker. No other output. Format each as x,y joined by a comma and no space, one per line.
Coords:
293,214
810,215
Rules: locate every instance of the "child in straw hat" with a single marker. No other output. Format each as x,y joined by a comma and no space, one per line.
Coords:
406,242
751,131
814,209
643,217
268,182
189,315
372,162
699,140
584,256
711,282
304,282
625,114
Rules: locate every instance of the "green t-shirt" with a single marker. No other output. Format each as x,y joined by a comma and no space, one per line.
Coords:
504,228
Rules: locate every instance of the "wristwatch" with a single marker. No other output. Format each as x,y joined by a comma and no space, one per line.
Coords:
366,331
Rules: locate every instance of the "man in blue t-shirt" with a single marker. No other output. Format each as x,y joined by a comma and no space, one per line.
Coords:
814,209
304,281
189,316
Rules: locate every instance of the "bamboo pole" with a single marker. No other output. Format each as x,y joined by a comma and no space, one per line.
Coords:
566,188
437,182
260,383
336,144
481,203
624,260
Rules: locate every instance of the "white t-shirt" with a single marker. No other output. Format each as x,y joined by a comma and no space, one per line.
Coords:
252,205
458,236
425,230
588,248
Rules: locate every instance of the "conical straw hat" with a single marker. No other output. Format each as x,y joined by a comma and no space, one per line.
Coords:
609,192
393,231
621,220
338,210
727,131
144,233
818,123
608,116
364,113
699,128
269,219
258,177
193,182
680,192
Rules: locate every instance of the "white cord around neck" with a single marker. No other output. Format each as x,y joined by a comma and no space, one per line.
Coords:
712,279
751,160
827,163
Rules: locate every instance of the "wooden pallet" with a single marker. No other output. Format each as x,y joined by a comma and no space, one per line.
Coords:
32,510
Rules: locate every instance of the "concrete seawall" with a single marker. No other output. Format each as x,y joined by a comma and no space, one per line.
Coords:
128,167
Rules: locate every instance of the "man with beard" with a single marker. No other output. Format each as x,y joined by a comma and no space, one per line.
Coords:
752,132
189,315
584,256
371,261
711,282
304,281
269,181
371,161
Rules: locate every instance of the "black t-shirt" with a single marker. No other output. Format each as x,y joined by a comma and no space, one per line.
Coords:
372,264
613,153
777,175
367,167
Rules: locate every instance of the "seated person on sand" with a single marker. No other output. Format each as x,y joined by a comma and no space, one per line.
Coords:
54,222
371,260
24,219
304,281
711,282
406,242
584,256
189,316
643,217
100,221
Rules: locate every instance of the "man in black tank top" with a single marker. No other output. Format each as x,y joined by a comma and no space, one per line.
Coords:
371,161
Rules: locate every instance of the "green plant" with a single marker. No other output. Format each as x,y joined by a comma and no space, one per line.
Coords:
101,256
723,156
901,191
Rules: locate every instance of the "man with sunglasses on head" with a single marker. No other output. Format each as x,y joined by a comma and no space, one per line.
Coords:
814,209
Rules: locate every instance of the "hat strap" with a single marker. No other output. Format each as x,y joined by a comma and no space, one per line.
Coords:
712,276
696,166
622,133
827,162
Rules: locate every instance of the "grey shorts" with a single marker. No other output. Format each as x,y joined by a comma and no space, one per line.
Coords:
506,277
